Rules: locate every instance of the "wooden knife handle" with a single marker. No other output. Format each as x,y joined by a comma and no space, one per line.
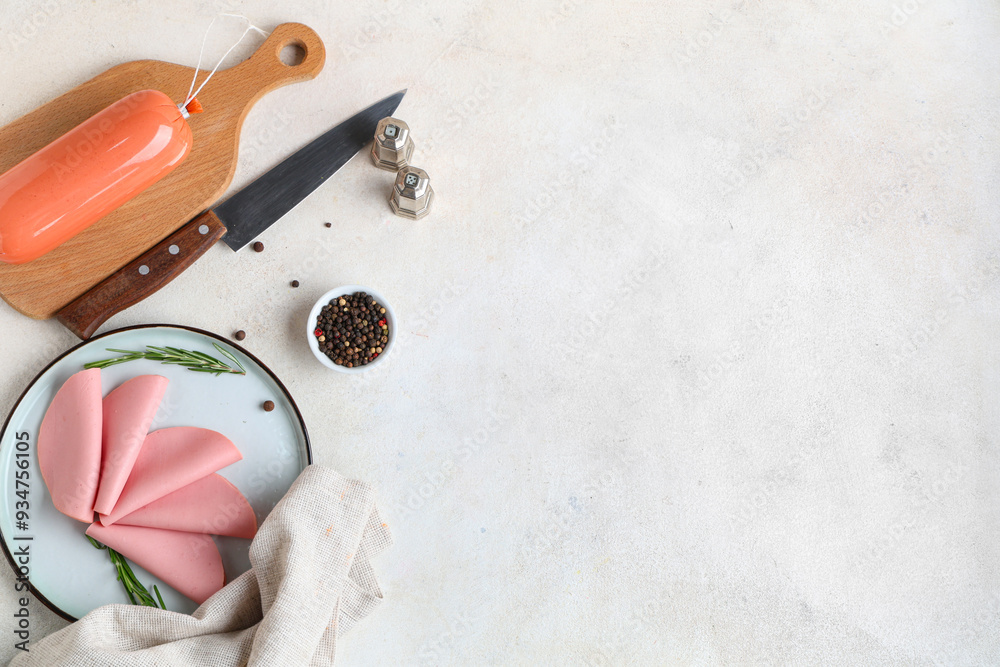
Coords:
142,276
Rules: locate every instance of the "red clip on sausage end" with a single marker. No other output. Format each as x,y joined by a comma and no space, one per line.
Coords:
194,106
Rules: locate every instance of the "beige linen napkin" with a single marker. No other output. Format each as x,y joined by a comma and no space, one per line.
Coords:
310,581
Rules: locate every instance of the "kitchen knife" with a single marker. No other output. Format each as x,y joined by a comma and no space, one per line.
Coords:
237,221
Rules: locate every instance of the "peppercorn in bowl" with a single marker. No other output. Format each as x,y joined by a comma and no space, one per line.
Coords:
351,329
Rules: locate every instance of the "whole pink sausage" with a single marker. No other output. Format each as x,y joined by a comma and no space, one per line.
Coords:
62,189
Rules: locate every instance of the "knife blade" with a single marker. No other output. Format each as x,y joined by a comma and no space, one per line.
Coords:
237,221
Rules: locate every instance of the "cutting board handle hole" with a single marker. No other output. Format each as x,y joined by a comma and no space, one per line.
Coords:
292,54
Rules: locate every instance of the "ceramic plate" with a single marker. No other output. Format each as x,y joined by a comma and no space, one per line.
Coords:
64,570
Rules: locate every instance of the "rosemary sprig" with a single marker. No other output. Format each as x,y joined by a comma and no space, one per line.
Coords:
133,587
193,360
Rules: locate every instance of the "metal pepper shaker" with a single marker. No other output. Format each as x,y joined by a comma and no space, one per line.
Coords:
393,147
411,193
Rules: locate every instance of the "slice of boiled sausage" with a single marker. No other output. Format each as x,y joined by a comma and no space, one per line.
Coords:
128,412
169,459
69,445
189,562
211,505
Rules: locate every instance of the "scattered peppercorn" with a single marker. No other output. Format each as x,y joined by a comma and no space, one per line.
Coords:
258,247
328,224
349,319
295,283
240,335
268,406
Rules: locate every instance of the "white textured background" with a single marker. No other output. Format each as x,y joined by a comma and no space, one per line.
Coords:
699,356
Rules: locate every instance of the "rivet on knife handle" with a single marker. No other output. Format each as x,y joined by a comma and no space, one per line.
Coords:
142,276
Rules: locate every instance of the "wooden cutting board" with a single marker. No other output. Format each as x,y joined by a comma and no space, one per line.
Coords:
42,287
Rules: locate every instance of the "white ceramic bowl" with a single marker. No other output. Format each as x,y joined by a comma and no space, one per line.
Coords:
324,300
